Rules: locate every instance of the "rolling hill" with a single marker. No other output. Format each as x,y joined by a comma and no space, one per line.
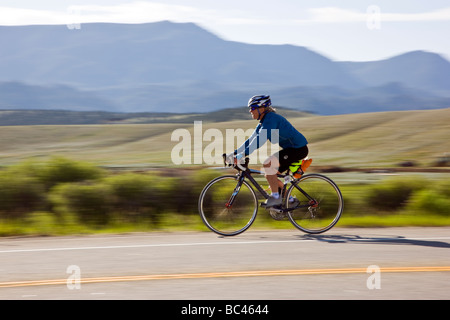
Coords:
356,140
66,117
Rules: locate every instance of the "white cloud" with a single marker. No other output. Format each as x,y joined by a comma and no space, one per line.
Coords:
134,12
438,15
16,16
137,12
140,12
338,15
333,15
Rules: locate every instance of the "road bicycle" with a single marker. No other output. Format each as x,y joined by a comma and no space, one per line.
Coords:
228,204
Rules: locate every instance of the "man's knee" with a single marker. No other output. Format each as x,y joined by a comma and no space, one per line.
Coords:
271,166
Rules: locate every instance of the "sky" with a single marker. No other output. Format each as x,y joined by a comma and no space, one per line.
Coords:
345,30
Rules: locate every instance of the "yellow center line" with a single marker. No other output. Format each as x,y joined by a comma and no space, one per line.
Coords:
203,275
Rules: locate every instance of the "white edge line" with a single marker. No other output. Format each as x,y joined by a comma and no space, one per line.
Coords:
149,246
203,244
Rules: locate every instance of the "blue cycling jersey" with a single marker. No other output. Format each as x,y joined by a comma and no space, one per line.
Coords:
276,129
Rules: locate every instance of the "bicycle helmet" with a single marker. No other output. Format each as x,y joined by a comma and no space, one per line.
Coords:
259,101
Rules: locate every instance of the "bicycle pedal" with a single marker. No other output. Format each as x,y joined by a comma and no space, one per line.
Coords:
278,214
277,209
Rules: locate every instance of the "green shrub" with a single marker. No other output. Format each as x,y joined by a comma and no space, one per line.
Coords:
434,200
19,195
89,202
137,197
393,194
59,170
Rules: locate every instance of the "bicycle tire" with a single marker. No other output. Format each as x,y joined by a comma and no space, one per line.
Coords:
322,210
223,220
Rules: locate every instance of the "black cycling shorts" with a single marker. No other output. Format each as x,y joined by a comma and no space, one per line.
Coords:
290,155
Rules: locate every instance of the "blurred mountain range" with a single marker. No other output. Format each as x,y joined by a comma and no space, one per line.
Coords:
181,67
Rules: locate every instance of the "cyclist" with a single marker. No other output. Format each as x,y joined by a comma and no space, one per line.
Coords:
272,126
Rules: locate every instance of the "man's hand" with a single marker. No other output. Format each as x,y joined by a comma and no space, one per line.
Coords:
230,159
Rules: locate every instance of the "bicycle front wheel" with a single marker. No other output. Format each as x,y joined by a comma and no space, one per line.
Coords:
319,206
228,207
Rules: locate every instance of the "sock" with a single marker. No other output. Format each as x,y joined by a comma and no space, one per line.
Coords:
275,195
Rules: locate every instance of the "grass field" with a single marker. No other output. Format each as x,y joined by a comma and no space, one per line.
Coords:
355,140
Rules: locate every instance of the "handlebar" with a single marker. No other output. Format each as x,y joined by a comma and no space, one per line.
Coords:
236,165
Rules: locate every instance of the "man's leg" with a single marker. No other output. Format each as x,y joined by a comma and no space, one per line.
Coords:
274,183
271,166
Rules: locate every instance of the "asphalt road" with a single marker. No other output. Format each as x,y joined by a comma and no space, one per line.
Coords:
385,263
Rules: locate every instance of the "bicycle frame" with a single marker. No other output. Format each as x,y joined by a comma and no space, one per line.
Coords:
247,173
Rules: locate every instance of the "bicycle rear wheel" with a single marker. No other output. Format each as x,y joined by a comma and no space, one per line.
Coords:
223,216
320,203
